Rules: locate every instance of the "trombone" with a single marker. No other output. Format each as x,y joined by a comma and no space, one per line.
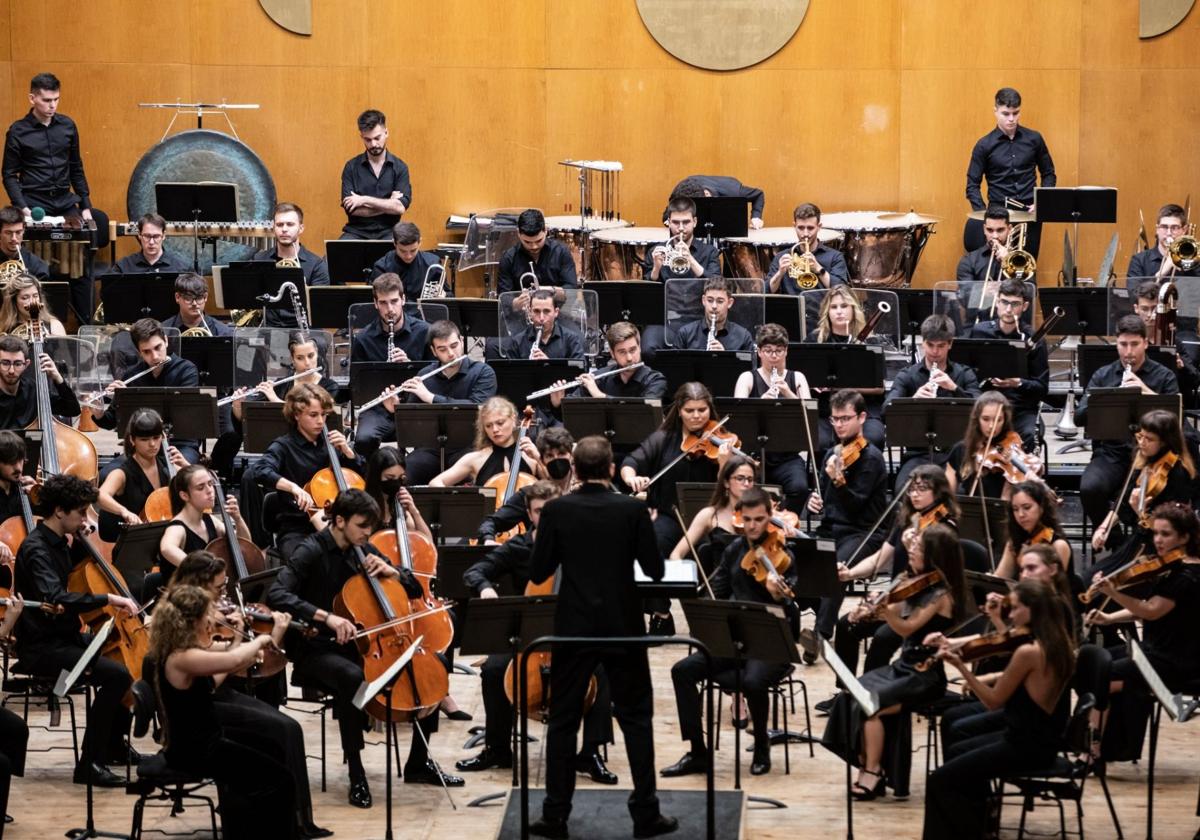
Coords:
1183,250
1019,264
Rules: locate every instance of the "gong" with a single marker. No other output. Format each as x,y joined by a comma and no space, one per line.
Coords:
202,155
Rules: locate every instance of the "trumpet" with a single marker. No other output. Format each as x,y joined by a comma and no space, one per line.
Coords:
1019,264
393,390
566,386
275,383
532,286
431,289
804,270
1184,250
677,255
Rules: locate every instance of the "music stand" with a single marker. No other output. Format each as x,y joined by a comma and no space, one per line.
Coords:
204,201
741,630
637,301
680,581
992,358
454,512
254,586
868,703
913,307
816,567
328,305
517,377
1092,357
187,413
476,317
838,365
369,379
771,425
1076,206
441,426
57,293
351,260
936,424
624,421
788,312
453,562
135,553
213,358
1085,309
722,216
1115,413
262,422
971,525
692,497
718,369
131,297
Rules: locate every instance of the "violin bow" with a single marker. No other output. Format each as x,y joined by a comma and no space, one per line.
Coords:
695,556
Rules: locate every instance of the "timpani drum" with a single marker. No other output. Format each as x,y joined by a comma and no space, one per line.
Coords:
618,254
751,255
573,234
881,248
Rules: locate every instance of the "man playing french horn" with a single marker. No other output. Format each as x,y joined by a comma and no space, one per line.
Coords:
808,264
14,259
684,256
191,293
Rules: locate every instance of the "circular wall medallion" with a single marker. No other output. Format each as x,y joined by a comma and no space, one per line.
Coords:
722,34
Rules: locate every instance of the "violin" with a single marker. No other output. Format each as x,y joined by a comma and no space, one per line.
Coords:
1139,570
782,521
259,621
328,482
1042,537
769,559
706,443
506,484
844,456
1151,483
933,516
979,648
65,450
1000,458
902,590
45,606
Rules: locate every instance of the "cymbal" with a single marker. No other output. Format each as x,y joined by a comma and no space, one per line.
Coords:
1014,216
911,218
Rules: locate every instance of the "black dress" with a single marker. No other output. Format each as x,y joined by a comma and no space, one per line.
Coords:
992,481
256,791
137,490
498,462
154,581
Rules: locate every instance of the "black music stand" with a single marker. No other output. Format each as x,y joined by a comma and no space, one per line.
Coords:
213,358
722,216
446,427
692,497
741,630
135,554
638,301
625,422
131,297
262,422
935,424
369,379
1076,206
1092,357
515,378
992,358
57,293
838,365
913,307
476,317
187,413
868,703
718,369
254,586
196,202
1114,413
328,305
1085,309
772,425
816,567
787,311
454,512
244,285
453,562
351,260
971,525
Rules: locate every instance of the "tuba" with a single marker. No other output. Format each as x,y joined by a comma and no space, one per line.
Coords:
1019,264
804,270
1184,250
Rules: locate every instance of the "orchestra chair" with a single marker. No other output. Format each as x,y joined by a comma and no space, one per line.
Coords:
315,695
31,690
156,782
783,695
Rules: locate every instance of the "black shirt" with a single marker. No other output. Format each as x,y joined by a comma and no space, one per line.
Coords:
137,490
471,384
371,342
554,266
645,383
176,373
294,457
1145,264
511,561
654,453
20,409
829,259
978,265
563,343
858,503
1159,379
358,177
43,563
316,273
138,264
1036,384
992,481
509,515
1010,167
42,163
411,274
1176,636
213,325
724,185
694,336
34,264
705,254
909,380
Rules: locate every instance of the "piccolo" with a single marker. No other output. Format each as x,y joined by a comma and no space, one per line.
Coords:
98,400
391,391
232,398
554,389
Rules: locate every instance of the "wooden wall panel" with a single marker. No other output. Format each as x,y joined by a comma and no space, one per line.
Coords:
5,43
1107,43
457,33
1025,33
239,33
52,33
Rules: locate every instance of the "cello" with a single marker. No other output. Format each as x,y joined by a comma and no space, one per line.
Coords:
65,449
158,503
506,484
326,483
15,529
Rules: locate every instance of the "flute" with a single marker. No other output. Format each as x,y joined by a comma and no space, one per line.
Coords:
232,398
98,400
553,389
390,392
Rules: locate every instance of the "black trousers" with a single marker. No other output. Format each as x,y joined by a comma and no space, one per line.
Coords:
597,720
961,724
107,719
1101,481
374,427
757,679
884,642
633,706
256,791
791,474
14,736
1025,424
847,542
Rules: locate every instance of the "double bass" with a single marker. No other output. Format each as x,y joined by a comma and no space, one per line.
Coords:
65,449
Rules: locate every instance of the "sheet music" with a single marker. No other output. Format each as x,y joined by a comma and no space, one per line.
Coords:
1172,703
681,572
868,701
67,679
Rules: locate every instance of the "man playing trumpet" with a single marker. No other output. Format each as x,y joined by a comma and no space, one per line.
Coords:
702,258
828,264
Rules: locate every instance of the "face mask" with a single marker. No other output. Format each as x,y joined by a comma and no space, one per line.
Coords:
391,486
559,468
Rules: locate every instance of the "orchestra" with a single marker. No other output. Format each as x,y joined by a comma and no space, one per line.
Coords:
653,456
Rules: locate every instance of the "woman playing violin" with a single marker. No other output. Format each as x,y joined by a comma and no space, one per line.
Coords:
14,311
1032,691
136,474
191,529
715,520
991,454
495,446
839,321
1032,520
901,685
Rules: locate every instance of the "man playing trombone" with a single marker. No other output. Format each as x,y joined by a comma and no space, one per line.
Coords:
827,263
1156,263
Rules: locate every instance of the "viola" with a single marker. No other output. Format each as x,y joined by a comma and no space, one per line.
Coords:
1042,537
328,482
706,443
65,449
1151,483
933,516
979,648
1139,570
846,455
769,559
506,484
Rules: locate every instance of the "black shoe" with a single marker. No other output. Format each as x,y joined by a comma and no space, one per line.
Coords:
685,766
760,765
808,641
125,755
593,766
662,625
825,706
458,714
430,774
101,776
485,760
546,827
312,831
862,793
360,793
655,827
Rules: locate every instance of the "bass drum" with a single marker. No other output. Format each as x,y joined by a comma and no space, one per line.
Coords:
202,155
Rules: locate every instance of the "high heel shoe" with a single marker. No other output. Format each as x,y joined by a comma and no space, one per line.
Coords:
863,794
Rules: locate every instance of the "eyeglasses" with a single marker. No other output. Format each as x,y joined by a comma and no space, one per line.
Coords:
837,420
194,298
742,479
1170,227
772,351
1001,303
150,237
914,489
12,363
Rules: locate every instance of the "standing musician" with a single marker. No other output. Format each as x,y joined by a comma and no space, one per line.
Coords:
1025,393
545,337
256,790
18,393
734,580
1155,263
708,186
591,539
22,292
934,376
287,226
1033,690
12,234
495,448
938,606
841,320
293,459
714,331
150,258
852,495
46,644
1032,521
1009,157
191,294
135,474
247,719
1110,460
554,446
625,347
704,260
306,586
512,561
408,262
376,189
547,258
713,528
990,458
193,492
831,265
12,478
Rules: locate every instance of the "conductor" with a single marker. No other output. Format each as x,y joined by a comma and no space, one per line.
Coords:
591,538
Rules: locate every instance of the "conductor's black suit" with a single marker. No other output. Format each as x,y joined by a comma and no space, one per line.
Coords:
594,535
